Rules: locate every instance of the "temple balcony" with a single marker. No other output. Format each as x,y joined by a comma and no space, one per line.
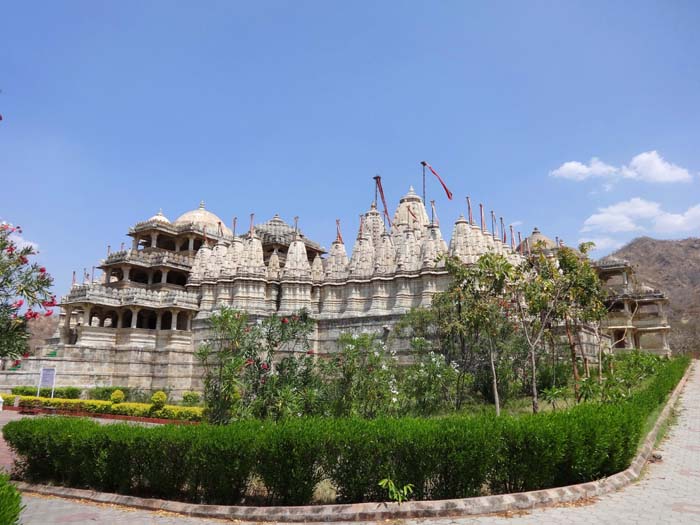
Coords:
95,293
149,257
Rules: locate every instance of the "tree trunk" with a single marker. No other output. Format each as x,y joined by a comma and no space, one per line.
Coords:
496,399
572,346
535,400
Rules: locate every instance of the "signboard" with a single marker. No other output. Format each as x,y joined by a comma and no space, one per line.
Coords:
47,379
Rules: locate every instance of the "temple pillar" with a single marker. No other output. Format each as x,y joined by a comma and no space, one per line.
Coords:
134,317
154,240
190,243
120,319
87,311
150,276
135,244
159,319
189,322
66,323
164,277
173,323
126,270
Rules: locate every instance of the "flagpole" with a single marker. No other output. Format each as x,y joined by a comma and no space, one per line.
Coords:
423,183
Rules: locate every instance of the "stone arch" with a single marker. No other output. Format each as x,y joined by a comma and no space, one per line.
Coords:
146,319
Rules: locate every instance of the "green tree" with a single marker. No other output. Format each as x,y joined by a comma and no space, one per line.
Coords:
470,323
538,290
24,287
241,366
583,303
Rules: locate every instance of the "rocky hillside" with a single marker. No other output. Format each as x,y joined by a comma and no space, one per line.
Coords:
674,267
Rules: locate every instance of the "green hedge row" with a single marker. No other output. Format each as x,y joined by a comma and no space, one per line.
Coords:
107,407
65,392
448,457
10,502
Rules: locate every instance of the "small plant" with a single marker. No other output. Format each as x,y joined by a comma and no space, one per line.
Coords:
158,400
10,502
117,397
190,399
396,494
553,395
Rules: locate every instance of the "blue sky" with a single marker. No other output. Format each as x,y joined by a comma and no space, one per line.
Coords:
112,110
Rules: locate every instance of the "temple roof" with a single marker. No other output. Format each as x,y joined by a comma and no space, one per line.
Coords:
534,239
204,218
276,231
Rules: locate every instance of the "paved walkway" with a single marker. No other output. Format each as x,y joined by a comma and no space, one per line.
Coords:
669,493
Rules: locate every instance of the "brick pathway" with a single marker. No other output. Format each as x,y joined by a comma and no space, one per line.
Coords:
669,493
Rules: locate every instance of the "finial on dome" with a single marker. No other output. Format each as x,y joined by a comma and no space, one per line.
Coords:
201,204
296,227
160,211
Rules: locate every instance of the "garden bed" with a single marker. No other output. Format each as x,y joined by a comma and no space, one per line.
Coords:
450,457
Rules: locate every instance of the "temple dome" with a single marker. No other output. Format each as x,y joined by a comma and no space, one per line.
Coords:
159,217
204,219
534,240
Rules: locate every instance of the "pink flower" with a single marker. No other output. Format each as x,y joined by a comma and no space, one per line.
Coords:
23,259
17,304
264,366
10,250
248,362
42,270
285,320
48,313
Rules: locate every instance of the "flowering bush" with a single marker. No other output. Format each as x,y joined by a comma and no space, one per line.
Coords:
22,285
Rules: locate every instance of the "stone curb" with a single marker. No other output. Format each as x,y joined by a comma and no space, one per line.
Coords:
385,511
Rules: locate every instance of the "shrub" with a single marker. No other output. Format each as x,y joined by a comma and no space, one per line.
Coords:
117,397
8,399
104,393
64,392
158,400
10,502
190,399
447,457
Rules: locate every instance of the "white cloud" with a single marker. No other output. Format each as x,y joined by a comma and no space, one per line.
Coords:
21,242
621,217
678,222
648,166
577,171
637,214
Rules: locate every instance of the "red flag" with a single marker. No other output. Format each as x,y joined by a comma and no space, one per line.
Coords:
447,190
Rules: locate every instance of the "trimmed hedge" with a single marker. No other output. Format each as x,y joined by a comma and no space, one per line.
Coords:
10,502
65,392
107,407
450,457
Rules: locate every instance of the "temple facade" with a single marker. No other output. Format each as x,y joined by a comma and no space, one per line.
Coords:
141,323
637,313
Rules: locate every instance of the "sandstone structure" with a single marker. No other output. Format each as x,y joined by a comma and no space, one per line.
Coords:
141,324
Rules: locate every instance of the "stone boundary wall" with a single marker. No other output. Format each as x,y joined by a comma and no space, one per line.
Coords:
385,511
